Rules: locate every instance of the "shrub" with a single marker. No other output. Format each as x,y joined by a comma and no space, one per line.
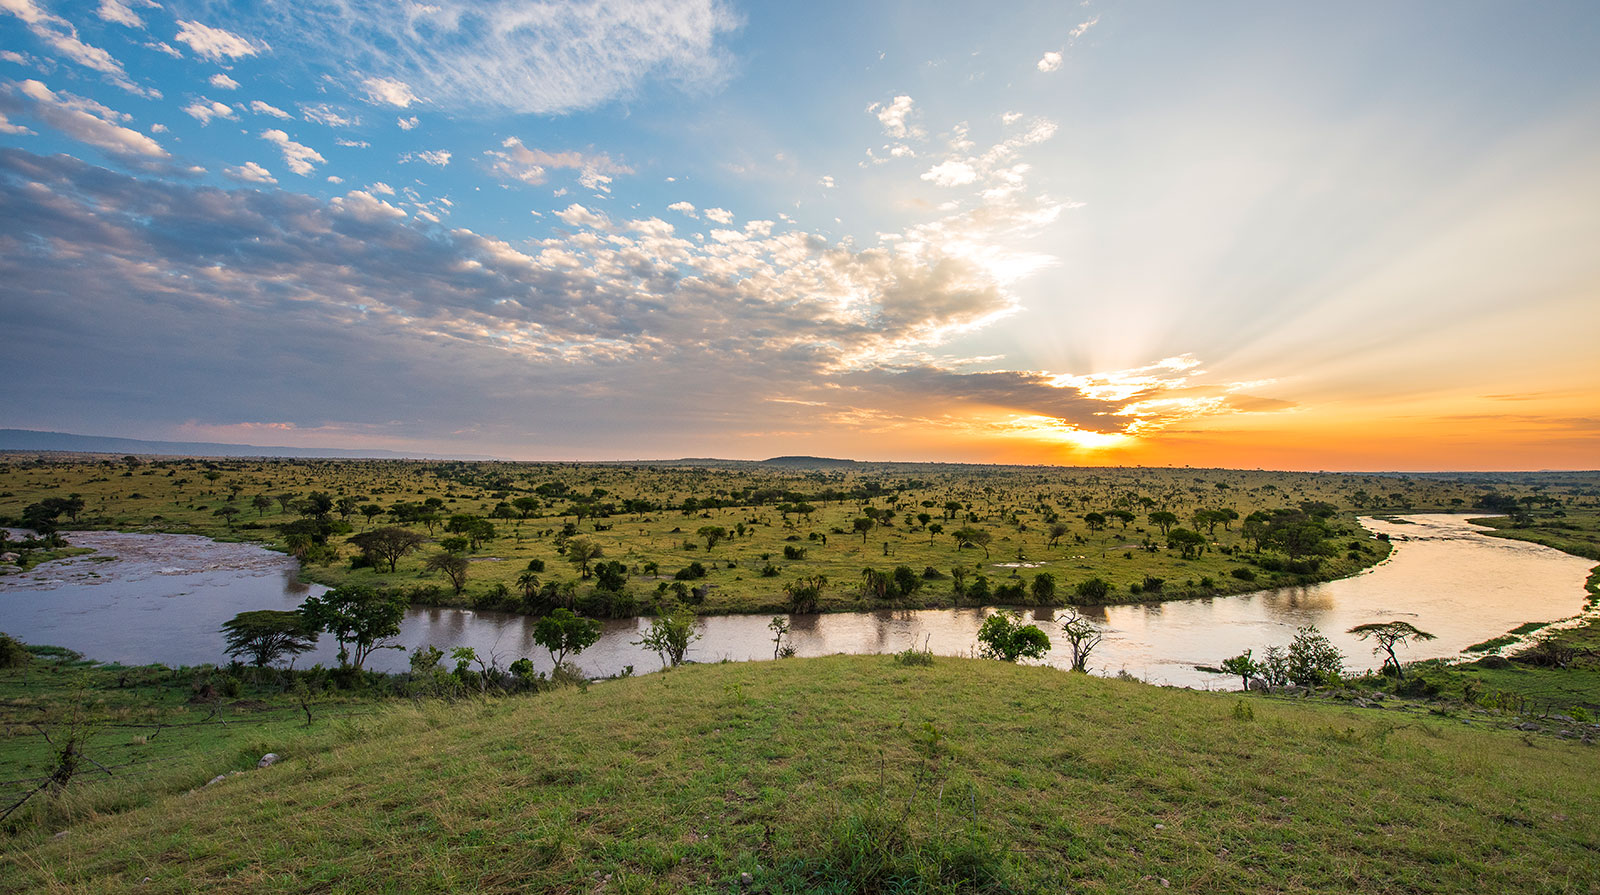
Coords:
1004,637
1244,573
1312,659
1093,590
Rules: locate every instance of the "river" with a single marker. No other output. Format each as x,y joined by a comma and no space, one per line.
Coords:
148,598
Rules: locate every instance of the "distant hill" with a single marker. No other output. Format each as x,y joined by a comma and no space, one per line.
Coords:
809,462
62,442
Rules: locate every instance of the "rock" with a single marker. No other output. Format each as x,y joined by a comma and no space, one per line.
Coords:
1528,725
1161,826
9,557
61,835
1259,684
217,779
746,879
268,760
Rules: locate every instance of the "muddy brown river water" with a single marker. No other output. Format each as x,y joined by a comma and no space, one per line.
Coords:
145,598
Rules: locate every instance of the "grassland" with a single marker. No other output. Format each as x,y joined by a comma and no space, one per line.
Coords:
854,774
649,518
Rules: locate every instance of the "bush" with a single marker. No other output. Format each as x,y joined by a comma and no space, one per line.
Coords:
1244,573
691,572
1094,590
12,653
1312,659
1004,637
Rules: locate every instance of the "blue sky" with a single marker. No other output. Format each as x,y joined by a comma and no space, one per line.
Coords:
1342,236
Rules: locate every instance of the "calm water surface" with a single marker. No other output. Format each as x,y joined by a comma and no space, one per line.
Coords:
161,598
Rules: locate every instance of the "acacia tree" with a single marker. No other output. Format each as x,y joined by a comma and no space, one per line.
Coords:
712,534
358,617
581,552
1082,636
1244,666
670,635
1390,635
452,566
389,544
973,537
266,635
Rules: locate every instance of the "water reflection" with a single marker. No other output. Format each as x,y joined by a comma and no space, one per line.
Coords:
164,597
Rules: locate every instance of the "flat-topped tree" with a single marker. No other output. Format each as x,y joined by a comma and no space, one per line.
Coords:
1390,635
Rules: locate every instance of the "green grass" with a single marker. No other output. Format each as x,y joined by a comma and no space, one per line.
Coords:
859,774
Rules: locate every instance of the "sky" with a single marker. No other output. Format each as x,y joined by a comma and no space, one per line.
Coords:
1359,236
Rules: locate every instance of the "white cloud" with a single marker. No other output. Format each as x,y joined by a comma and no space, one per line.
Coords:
519,56
223,82
1050,61
158,128
216,44
1011,118
60,35
682,208
1083,27
436,157
120,12
334,178
530,166
300,158
826,182
250,172
81,119
203,110
576,215
951,173
322,113
351,144
389,91
407,123
6,127
381,188
719,215
364,206
162,46
893,117
261,108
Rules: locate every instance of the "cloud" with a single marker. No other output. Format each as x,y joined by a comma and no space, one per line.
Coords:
436,157
120,12
719,215
1050,61
893,115
1083,28
380,188
81,119
826,182
203,110
353,144
526,165
324,114
60,35
223,82
216,44
249,172
6,127
517,56
365,207
407,123
300,158
261,108
389,91
682,208
951,173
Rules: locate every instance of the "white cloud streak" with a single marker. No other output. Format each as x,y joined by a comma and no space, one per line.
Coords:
60,35
217,44
300,158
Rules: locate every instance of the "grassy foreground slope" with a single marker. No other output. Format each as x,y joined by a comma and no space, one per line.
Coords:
858,774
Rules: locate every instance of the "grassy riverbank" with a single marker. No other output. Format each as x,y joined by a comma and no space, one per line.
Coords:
834,774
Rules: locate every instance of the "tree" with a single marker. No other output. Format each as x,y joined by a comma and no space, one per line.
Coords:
1312,659
862,526
453,566
562,632
260,502
371,511
670,635
1164,520
1191,543
973,537
1095,521
779,626
1004,637
266,635
1043,588
1093,590
358,617
345,506
1244,666
581,552
1057,530
803,593
389,544
227,514
525,506
1082,636
712,534
1390,635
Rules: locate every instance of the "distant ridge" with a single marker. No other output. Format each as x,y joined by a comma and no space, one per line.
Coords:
809,462
62,442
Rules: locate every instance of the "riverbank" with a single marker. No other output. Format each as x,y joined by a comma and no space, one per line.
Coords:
842,773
